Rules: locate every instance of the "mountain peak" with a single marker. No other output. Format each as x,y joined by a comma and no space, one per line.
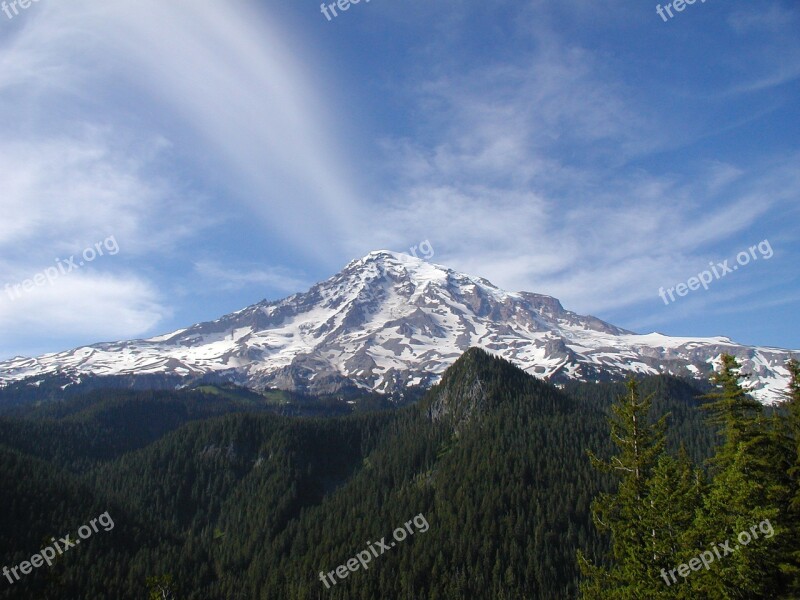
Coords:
479,382
387,254
387,259
464,391
390,320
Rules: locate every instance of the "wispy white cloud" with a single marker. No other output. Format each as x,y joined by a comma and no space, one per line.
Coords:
533,174
228,277
63,191
770,17
61,196
153,121
547,167
770,30
226,80
84,303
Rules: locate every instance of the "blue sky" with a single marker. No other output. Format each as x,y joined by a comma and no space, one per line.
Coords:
237,151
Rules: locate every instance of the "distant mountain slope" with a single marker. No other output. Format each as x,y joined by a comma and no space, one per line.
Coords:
387,321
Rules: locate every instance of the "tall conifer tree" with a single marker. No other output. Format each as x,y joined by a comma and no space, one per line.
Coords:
626,514
791,459
744,493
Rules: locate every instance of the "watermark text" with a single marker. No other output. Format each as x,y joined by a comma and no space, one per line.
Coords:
364,557
720,551
63,267
49,554
718,271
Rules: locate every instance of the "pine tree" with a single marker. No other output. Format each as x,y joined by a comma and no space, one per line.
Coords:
627,514
791,460
793,408
675,492
731,410
745,492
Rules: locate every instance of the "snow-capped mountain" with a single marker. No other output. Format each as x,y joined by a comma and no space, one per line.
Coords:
390,320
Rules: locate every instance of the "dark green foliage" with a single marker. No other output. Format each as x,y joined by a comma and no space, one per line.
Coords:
627,514
214,497
750,492
734,412
788,461
745,490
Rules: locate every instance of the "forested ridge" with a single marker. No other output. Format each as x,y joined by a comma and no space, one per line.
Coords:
215,496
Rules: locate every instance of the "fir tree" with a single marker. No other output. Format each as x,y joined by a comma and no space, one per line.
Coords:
791,459
746,491
731,410
675,492
627,514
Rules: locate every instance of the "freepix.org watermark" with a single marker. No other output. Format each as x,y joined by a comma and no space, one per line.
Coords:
678,5
718,271
64,267
343,5
364,557
9,6
49,554
719,551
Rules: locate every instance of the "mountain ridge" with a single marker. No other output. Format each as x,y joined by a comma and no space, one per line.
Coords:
388,321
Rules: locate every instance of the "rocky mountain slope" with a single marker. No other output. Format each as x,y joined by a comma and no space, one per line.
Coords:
389,320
